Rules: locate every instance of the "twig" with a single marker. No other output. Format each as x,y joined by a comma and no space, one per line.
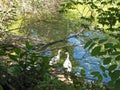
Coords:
63,39
58,48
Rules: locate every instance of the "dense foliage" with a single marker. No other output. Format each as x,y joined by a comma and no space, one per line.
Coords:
23,64
108,47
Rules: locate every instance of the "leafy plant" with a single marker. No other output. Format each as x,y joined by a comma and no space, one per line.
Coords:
25,69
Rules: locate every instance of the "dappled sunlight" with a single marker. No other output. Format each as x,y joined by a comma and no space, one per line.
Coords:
59,44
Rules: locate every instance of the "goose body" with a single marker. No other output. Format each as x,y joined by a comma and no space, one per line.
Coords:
67,64
55,59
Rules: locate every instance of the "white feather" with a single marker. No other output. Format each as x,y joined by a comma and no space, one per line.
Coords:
55,59
67,64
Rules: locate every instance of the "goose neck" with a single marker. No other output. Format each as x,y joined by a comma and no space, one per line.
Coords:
58,53
67,56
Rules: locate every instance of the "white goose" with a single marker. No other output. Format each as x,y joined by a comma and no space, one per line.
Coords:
67,64
55,59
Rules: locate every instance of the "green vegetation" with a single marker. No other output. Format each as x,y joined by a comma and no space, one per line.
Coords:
28,29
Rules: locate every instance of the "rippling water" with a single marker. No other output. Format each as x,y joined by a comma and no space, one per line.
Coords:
86,61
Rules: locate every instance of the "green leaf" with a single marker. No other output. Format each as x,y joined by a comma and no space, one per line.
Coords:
96,51
115,53
98,75
112,67
92,45
103,68
117,58
105,75
95,39
103,2
28,46
102,41
117,84
95,73
115,75
17,50
100,78
13,57
117,46
44,64
107,60
82,72
101,53
88,43
34,57
111,83
108,45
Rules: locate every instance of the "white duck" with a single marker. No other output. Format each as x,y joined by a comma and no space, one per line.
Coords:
67,64
55,59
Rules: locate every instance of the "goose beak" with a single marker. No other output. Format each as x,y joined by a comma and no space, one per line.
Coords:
59,50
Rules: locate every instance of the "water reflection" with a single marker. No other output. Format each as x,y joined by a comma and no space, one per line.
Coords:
86,61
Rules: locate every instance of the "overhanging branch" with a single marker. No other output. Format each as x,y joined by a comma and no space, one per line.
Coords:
63,39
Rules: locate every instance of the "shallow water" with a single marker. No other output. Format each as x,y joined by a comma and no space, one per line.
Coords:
86,61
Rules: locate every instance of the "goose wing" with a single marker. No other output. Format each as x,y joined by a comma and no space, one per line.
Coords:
67,64
54,60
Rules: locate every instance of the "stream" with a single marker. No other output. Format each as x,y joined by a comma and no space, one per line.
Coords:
86,61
